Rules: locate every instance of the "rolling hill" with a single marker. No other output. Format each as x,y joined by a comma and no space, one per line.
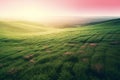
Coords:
24,28
29,51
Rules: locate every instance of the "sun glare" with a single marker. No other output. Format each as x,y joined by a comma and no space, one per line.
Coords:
47,10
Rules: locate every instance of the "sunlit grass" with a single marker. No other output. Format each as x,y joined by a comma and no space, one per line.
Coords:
25,29
47,53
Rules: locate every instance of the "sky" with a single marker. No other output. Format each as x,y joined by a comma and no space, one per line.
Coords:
47,9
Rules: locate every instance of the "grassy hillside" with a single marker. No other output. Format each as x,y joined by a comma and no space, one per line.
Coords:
82,53
22,28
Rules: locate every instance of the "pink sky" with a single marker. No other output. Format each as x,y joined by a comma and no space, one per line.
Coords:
36,9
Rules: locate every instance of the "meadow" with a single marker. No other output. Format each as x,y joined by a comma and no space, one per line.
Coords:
30,51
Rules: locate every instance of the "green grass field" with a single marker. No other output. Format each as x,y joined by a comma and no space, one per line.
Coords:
29,51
